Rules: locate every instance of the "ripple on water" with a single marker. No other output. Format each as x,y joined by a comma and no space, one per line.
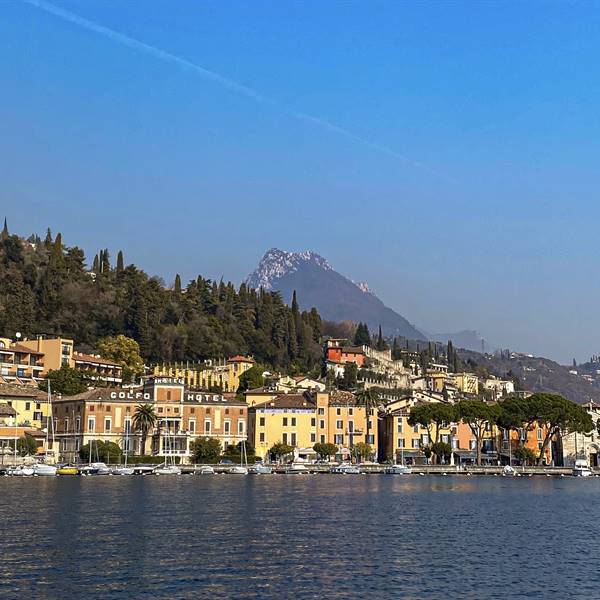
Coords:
301,537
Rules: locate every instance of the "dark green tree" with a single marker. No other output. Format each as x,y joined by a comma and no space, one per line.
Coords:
65,381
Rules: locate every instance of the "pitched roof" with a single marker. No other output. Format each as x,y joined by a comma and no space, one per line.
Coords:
283,401
341,398
91,358
9,390
24,349
7,411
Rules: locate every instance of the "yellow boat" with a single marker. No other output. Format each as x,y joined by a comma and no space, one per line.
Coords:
67,471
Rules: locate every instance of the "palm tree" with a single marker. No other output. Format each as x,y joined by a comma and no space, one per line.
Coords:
144,419
370,400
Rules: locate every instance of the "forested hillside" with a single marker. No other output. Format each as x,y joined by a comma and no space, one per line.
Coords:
46,287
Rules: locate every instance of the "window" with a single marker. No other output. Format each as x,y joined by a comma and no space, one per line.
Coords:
241,411
127,426
168,395
350,411
192,410
313,437
370,425
339,424
285,421
313,422
446,438
338,439
539,435
400,426
227,426
322,439
370,439
241,427
416,428
415,443
38,406
261,421
261,436
285,438
192,425
293,439
91,424
107,424
400,442
351,426
160,409
37,415
226,411
206,426
293,421
338,411
77,424
321,411
66,425
322,424
208,410
425,439
27,405
91,408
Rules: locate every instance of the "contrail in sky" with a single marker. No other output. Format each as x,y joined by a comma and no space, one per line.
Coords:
230,84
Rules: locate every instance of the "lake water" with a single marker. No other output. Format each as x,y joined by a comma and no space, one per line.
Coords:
282,537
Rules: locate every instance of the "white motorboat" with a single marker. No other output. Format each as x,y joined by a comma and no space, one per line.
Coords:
509,471
95,468
297,469
22,471
42,469
260,469
123,471
167,470
345,469
398,470
581,468
205,470
238,470
143,470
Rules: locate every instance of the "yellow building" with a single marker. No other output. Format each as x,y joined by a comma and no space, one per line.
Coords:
286,418
341,421
468,383
212,375
30,404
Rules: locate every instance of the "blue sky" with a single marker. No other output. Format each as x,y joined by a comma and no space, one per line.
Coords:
484,214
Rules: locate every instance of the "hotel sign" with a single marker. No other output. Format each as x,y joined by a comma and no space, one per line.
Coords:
130,396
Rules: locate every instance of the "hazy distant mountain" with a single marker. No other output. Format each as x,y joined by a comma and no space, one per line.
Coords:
336,297
468,339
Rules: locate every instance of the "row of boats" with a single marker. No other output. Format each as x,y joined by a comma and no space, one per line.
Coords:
100,468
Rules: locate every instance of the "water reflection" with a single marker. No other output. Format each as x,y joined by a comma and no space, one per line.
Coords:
303,537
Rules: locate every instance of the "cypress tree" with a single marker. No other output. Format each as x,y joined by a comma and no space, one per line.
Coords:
120,262
380,341
4,234
177,285
96,264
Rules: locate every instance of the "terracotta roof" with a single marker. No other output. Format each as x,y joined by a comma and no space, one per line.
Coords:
8,390
97,360
24,350
341,398
240,358
288,401
7,411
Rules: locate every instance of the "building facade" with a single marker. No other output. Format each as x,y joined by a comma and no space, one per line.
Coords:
182,415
